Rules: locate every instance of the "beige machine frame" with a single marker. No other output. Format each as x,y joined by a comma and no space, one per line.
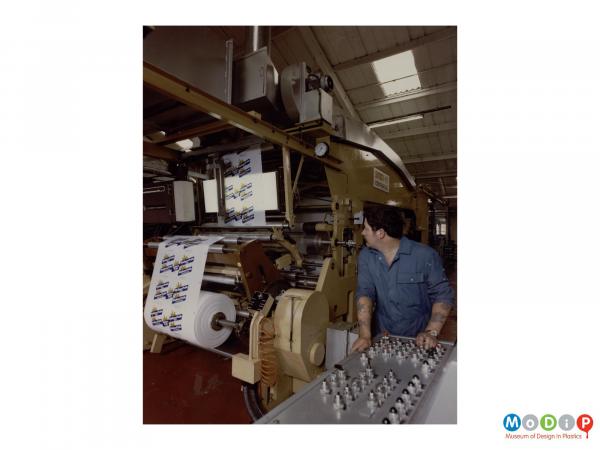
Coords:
301,316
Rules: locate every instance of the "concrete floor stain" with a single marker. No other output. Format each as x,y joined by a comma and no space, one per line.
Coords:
213,383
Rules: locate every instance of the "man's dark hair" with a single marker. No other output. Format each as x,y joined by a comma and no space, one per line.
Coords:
386,217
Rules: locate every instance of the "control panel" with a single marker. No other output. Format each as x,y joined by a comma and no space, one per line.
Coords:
386,384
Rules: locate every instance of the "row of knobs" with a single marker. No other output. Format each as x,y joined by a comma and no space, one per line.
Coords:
376,397
348,390
428,359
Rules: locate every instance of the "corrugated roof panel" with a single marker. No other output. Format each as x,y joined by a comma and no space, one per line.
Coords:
401,35
367,116
354,42
428,143
368,74
452,136
436,144
446,98
278,57
433,29
441,51
368,39
416,32
284,49
427,121
437,117
422,58
417,144
357,77
363,95
384,38
384,113
400,147
298,49
446,73
446,142
339,43
407,107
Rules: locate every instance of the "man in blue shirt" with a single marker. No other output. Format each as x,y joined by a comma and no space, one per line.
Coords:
402,281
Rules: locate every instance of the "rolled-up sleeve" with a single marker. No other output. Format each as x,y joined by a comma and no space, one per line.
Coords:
438,286
365,287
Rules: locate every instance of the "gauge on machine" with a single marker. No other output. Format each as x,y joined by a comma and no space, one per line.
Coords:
321,149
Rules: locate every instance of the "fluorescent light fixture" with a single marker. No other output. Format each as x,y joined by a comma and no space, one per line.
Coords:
385,123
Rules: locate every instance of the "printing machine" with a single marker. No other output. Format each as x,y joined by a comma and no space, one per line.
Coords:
294,275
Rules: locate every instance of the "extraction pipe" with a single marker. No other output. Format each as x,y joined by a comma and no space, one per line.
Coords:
258,37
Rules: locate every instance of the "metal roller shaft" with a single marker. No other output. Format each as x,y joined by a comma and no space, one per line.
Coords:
301,280
215,248
212,225
220,279
228,323
245,237
304,283
219,321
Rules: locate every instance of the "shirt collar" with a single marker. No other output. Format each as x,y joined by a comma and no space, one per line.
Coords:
406,246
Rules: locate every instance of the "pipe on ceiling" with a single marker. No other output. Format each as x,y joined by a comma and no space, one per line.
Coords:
258,37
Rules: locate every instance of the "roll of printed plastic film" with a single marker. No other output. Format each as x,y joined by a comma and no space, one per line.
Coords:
191,321
175,304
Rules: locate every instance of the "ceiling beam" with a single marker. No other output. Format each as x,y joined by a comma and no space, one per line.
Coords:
429,158
391,120
156,151
419,73
321,59
418,131
405,46
442,88
199,100
202,130
432,175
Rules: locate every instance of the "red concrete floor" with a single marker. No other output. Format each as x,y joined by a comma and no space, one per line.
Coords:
188,385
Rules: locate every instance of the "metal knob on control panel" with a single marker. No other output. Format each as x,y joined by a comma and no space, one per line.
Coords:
364,359
372,400
405,396
400,406
393,415
338,403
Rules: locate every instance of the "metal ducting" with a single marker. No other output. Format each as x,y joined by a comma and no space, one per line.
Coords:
258,37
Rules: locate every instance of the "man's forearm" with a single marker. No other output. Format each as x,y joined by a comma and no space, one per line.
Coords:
439,314
364,313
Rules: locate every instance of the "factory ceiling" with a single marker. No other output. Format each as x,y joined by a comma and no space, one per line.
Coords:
400,80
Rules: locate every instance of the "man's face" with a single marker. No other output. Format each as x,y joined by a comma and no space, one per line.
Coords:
369,234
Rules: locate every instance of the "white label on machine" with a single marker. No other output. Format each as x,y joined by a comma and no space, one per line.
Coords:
359,217
381,180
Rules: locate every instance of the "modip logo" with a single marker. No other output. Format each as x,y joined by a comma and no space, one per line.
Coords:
512,422
585,423
550,424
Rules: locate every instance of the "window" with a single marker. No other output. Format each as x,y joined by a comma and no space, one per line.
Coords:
440,226
397,73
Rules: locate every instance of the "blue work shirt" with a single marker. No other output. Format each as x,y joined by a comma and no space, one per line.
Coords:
403,292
